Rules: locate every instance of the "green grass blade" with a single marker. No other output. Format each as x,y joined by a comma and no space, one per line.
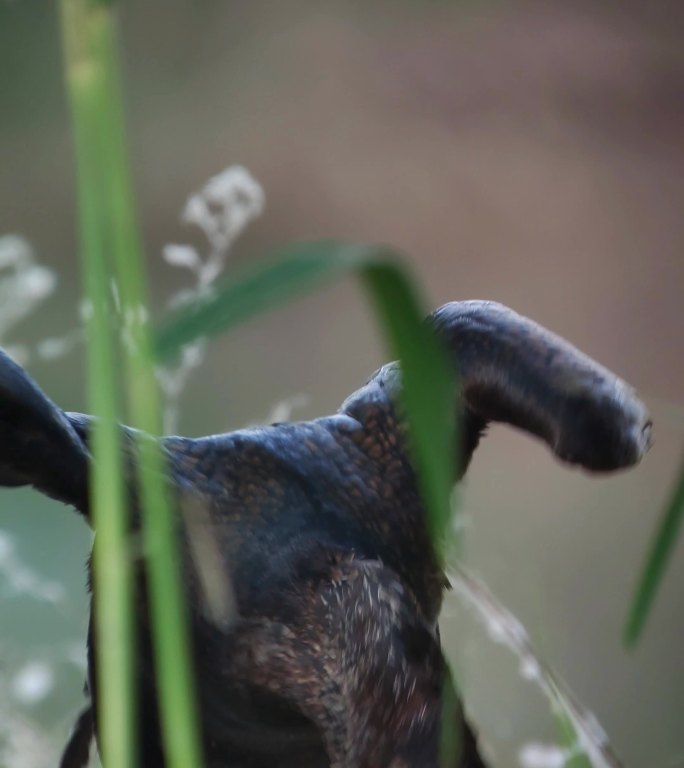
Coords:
295,270
107,203
177,698
428,391
428,381
112,572
659,556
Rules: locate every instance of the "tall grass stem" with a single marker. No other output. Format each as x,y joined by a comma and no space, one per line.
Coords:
111,247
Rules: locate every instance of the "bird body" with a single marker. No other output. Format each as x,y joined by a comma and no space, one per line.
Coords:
312,583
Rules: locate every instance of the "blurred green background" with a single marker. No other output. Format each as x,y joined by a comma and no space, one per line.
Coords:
530,153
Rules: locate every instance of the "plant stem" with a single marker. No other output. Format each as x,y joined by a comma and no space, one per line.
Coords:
111,238
112,572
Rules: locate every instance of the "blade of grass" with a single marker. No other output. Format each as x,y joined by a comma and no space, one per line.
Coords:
177,698
91,28
656,563
428,391
428,388
112,573
293,271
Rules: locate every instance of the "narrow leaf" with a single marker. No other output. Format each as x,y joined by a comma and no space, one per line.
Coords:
111,246
82,28
656,563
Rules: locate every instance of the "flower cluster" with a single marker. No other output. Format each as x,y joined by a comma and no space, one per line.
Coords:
222,209
24,284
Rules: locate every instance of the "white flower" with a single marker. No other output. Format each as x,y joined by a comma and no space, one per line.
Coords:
224,207
36,283
196,211
529,668
181,256
33,683
23,283
535,755
14,250
221,209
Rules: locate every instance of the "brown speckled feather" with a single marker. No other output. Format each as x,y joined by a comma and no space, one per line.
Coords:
307,564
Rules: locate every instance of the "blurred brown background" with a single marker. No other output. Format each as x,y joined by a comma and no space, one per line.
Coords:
531,153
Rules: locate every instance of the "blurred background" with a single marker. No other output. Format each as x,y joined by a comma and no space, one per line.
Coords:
528,152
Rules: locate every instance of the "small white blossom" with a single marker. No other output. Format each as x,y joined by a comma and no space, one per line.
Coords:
196,211
14,250
221,209
192,355
181,256
33,682
529,668
23,283
55,347
37,282
535,755
224,207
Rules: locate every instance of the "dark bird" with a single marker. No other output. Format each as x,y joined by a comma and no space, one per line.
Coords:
332,657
